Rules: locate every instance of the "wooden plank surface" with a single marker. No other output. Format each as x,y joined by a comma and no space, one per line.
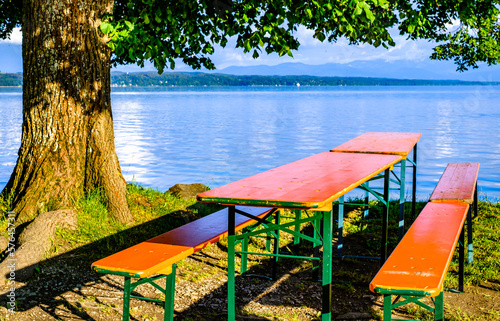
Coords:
390,143
458,182
422,257
160,252
309,183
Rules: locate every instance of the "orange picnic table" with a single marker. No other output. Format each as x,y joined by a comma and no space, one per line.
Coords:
312,183
385,143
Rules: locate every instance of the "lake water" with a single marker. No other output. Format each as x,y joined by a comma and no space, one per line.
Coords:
218,135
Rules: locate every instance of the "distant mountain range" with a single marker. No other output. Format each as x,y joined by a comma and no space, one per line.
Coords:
11,62
399,69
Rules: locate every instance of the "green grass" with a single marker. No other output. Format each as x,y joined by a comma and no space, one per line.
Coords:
154,213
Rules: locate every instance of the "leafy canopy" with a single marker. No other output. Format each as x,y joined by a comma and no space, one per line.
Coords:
161,31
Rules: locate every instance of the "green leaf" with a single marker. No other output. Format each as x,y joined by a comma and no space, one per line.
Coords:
129,25
309,13
320,36
106,28
247,45
368,12
358,9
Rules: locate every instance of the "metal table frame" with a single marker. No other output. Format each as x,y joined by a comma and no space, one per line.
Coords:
299,181
389,144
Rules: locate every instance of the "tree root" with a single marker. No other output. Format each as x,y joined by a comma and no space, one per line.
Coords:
33,243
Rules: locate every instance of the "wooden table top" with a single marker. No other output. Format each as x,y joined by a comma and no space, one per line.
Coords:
380,143
310,183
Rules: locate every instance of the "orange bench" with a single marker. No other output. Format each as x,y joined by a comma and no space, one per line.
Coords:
157,257
418,265
459,183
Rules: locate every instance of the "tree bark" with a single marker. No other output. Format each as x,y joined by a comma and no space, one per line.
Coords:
67,145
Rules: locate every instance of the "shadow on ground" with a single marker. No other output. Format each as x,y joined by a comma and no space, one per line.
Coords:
65,288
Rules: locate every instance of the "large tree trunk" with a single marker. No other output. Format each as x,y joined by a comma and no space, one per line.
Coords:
67,145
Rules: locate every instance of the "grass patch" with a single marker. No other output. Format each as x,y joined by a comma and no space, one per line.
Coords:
154,213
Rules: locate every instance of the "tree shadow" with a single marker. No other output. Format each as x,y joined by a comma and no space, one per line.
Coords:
60,288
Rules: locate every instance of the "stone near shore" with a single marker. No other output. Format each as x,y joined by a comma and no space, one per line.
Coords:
186,191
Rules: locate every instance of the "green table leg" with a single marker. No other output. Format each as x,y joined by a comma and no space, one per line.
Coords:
244,256
401,230
327,266
414,185
340,242
366,209
231,304
276,250
461,259
316,247
470,239
385,219
296,239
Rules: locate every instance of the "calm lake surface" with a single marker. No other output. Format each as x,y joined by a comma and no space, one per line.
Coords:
218,135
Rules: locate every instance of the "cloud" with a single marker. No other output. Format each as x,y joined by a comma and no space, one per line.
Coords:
16,37
315,52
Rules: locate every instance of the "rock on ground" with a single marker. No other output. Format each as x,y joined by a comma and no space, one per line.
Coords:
186,191
33,243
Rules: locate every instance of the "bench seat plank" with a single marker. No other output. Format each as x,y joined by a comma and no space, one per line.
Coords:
458,182
159,253
420,261
390,143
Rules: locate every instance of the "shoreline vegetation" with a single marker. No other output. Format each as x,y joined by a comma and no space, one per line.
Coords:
200,79
65,288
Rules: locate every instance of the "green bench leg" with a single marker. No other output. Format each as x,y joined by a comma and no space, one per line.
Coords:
168,291
439,307
169,295
387,307
127,290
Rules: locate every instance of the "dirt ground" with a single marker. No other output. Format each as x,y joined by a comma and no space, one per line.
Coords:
65,288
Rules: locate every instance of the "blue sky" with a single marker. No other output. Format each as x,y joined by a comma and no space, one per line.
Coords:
311,51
